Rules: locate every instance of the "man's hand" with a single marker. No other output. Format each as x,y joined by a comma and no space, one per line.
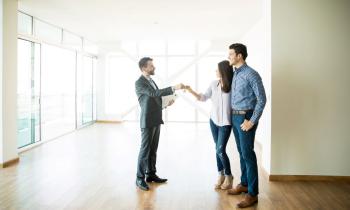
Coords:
246,125
179,86
171,102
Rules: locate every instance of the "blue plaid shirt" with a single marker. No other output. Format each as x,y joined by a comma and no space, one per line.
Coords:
248,92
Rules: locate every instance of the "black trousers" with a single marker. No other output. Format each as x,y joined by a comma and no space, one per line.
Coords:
148,152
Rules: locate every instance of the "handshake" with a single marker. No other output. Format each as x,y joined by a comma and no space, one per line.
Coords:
177,87
182,86
189,89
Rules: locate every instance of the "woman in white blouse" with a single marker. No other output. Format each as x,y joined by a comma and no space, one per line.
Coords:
219,92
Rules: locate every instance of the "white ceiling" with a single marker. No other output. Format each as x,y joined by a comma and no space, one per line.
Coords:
108,21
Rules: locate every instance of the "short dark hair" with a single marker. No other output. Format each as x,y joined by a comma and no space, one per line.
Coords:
226,72
240,49
143,62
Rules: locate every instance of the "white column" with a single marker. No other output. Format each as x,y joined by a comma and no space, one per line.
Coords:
8,79
1,47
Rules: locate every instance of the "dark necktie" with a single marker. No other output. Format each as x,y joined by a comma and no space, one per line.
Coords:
153,84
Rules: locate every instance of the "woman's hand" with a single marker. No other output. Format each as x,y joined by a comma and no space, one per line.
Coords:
189,89
179,86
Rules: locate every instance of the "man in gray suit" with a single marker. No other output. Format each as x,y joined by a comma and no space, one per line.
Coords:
150,100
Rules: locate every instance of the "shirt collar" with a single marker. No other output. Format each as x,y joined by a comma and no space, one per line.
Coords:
241,67
147,77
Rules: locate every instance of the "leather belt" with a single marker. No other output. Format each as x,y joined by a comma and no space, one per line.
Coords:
240,112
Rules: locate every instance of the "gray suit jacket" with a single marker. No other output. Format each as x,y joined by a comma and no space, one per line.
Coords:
150,101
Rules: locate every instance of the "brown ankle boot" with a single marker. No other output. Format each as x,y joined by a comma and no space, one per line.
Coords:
227,183
247,201
238,190
218,184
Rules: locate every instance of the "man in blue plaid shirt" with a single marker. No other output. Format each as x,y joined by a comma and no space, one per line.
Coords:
248,100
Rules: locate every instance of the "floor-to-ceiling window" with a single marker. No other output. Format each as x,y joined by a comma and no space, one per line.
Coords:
28,93
58,91
120,94
85,92
192,62
56,84
181,69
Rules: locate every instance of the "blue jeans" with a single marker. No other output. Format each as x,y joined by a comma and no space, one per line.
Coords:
221,134
245,147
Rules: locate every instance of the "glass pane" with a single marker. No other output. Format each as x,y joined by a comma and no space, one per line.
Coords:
58,91
87,91
132,116
182,47
79,99
177,64
160,71
215,53
183,110
47,32
24,24
120,94
28,93
203,46
36,92
129,47
72,40
24,93
85,103
149,48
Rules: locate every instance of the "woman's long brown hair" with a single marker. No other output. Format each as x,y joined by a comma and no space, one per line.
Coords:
226,72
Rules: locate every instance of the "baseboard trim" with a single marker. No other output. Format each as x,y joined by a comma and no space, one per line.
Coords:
308,178
108,121
9,163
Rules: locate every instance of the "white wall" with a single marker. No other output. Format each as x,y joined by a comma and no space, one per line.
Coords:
258,41
9,81
310,87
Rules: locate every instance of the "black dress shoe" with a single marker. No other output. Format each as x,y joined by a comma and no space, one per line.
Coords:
155,178
142,184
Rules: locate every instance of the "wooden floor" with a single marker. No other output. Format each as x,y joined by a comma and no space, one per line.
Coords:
95,167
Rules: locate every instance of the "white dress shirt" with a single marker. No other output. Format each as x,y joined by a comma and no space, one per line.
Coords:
151,82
